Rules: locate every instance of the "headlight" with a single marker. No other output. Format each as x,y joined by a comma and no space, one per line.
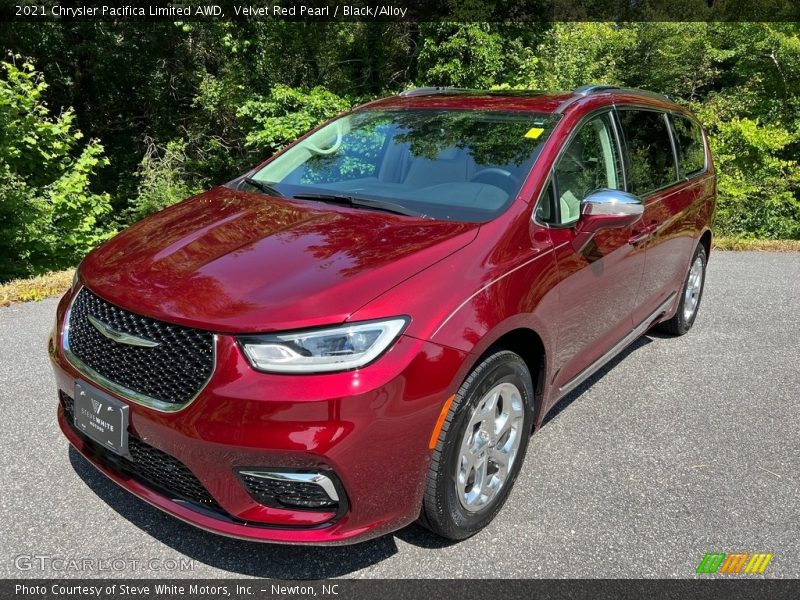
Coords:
339,348
75,279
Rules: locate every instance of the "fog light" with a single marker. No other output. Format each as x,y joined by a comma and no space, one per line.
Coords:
291,489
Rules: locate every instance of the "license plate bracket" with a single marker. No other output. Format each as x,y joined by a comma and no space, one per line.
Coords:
101,418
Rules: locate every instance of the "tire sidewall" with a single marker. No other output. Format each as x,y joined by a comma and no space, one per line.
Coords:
499,368
684,324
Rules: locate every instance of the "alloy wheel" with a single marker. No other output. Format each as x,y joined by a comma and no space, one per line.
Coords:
489,446
694,285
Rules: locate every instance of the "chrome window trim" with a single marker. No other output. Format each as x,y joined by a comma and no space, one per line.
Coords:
120,390
603,89
617,126
664,111
673,143
546,185
706,148
609,109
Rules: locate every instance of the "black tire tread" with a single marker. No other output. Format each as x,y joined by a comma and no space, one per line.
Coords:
431,501
676,326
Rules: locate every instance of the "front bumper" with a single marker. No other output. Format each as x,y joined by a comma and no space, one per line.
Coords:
369,428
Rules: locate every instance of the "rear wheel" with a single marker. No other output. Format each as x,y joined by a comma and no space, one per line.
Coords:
480,448
691,294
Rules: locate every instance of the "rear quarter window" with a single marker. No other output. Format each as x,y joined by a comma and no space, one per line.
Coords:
690,146
651,164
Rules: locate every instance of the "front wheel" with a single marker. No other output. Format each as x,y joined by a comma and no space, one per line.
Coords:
480,448
691,294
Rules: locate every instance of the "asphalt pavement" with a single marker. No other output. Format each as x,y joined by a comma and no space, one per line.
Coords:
681,446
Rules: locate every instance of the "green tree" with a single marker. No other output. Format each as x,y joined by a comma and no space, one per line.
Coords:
752,113
180,106
49,218
683,60
287,113
163,180
574,54
759,177
461,55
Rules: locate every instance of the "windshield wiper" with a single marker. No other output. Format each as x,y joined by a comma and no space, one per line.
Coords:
262,187
360,202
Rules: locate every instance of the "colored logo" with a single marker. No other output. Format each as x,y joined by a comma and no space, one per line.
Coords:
740,562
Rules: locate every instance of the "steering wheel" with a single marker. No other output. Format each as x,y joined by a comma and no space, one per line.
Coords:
497,177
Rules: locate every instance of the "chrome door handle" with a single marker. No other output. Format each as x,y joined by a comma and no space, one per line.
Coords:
642,235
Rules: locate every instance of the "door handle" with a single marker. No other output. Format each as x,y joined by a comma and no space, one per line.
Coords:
639,236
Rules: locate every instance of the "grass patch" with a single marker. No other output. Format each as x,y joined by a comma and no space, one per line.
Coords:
35,288
734,243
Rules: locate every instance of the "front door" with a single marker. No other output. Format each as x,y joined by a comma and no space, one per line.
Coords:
599,283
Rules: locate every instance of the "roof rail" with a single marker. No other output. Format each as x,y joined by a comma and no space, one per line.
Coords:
585,90
647,93
432,91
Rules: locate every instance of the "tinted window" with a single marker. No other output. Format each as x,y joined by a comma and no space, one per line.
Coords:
464,165
651,163
689,141
591,162
546,211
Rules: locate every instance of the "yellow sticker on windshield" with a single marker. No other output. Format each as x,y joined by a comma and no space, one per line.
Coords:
534,133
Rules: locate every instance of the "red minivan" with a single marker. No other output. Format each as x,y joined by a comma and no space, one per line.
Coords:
365,329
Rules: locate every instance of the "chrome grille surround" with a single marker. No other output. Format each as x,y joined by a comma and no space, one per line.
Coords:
124,391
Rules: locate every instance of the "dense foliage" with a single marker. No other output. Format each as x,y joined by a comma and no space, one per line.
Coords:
49,217
169,109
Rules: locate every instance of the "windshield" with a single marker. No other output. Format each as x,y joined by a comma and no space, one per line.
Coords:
461,165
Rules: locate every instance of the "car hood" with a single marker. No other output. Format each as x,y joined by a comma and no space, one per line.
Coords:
237,262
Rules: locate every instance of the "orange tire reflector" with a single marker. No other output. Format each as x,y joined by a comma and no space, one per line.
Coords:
440,422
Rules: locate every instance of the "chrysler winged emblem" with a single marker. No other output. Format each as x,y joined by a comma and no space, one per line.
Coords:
119,336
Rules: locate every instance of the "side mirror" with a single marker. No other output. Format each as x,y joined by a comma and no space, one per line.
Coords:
605,209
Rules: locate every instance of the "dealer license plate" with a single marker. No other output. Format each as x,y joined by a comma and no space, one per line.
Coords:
101,417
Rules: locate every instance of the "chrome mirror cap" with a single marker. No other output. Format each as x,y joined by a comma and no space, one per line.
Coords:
605,209
611,202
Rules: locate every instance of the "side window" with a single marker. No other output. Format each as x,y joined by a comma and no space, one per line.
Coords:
690,146
651,162
591,162
545,211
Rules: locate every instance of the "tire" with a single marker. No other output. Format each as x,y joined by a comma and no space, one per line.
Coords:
689,302
457,466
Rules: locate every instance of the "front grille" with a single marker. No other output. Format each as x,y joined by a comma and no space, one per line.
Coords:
172,372
288,494
149,465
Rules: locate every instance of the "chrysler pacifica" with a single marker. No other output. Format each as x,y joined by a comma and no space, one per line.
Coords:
365,329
